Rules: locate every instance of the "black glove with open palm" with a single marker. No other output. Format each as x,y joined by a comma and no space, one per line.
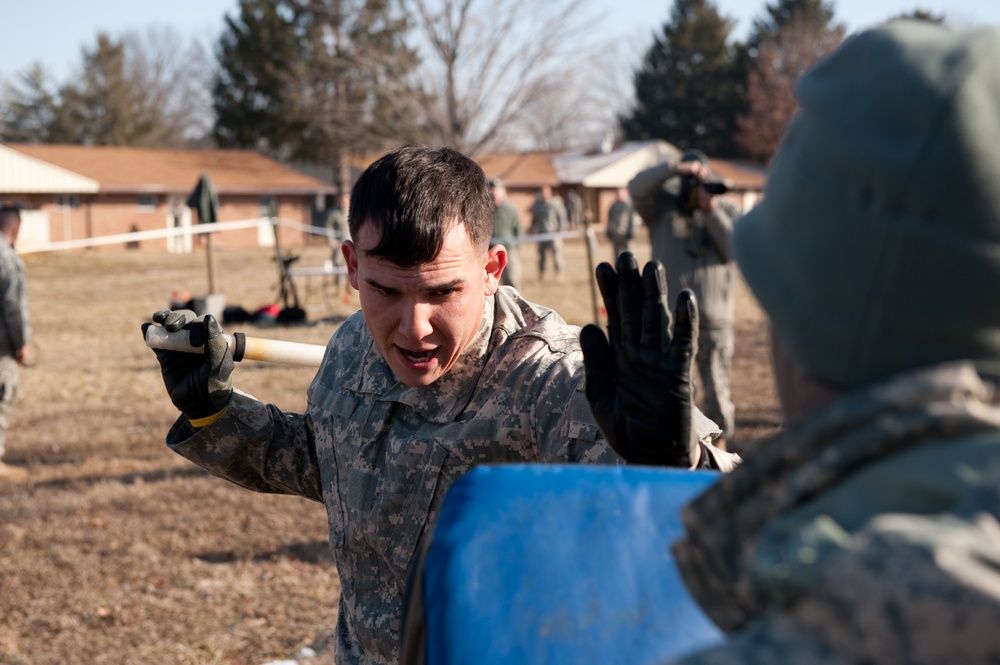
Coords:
639,377
199,384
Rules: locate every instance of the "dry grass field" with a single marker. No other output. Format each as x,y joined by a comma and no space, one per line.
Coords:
118,551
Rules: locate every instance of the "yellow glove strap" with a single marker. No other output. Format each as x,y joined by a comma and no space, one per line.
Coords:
207,420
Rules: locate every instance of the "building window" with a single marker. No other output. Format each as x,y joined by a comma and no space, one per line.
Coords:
68,200
146,202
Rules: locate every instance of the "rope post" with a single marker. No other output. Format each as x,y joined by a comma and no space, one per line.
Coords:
591,253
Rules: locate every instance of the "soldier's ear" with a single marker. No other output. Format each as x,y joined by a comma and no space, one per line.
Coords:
351,258
496,261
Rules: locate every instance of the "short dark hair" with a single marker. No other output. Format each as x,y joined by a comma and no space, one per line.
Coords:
10,215
412,195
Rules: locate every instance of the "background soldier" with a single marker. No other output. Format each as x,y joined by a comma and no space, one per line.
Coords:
15,328
689,228
507,232
621,223
336,233
548,215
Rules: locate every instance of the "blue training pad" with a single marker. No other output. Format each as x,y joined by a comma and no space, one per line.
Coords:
562,564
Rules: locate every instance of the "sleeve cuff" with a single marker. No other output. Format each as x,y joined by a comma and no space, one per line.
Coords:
207,420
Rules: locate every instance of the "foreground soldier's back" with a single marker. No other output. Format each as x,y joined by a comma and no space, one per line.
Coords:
869,530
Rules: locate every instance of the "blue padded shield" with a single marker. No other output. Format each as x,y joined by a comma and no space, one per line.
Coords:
562,564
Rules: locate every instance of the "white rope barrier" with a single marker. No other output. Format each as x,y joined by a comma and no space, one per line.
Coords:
538,237
136,236
222,227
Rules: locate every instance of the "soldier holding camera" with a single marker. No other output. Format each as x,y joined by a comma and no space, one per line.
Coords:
689,226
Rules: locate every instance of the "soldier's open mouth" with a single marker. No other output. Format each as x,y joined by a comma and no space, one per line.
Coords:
418,357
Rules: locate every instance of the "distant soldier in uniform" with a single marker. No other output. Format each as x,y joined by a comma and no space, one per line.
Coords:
336,233
15,329
574,209
689,230
440,371
869,530
548,216
621,223
507,232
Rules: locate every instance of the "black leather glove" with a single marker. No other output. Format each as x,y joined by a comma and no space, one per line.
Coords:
199,384
639,377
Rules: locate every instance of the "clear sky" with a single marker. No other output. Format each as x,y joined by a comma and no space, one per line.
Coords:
53,31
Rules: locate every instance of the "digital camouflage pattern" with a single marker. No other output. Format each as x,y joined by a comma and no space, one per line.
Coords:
380,455
15,324
15,330
867,533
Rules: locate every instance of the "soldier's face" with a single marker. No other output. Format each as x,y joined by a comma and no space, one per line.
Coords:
423,317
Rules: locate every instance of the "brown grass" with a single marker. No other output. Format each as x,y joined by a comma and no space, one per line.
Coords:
119,551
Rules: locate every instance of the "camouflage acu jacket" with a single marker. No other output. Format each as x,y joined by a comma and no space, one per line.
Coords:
380,455
868,533
15,325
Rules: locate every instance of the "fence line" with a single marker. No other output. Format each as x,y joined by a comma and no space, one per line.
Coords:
136,236
222,227
326,269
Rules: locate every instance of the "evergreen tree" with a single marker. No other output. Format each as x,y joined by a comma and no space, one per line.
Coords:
29,109
687,89
920,15
255,50
314,80
813,13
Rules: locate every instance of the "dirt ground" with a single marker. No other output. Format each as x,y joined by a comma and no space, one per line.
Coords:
118,551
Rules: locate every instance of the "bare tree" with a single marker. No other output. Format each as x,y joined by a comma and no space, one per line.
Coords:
140,89
781,59
174,78
584,100
487,64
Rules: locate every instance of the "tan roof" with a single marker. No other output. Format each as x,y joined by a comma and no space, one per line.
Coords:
533,169
124,169
520,169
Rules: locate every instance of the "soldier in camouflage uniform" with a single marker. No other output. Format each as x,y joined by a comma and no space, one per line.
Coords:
869,530
442,370
621,223
548,216
15,328
336,233
689,233
507,232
